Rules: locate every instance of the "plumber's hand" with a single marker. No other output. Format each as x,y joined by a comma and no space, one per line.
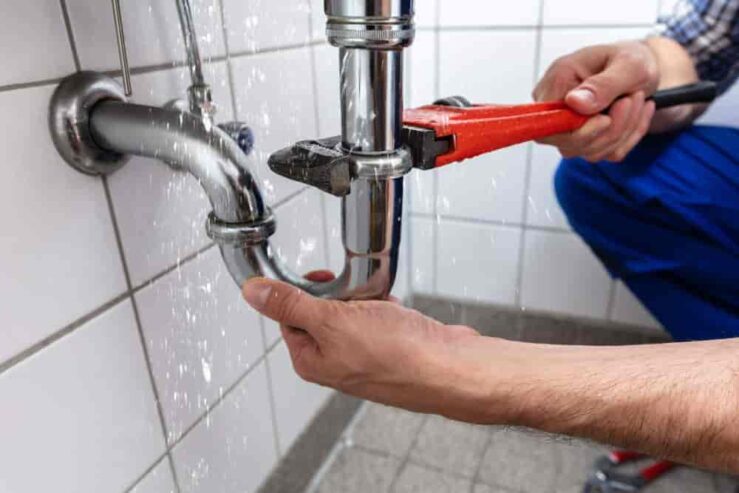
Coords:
589,81
376,350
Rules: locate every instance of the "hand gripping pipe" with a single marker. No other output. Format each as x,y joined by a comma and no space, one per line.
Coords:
95,129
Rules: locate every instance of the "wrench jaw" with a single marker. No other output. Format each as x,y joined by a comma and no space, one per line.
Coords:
607,479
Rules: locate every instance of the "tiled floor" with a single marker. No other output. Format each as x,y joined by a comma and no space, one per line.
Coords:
388,450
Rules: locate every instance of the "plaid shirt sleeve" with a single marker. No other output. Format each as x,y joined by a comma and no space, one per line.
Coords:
709,31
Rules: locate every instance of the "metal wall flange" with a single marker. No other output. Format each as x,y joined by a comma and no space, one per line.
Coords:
69,122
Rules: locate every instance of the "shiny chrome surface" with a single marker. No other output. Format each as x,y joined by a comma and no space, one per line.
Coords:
371,99
69,112
187,142
121,43
380,24
199,93
371,223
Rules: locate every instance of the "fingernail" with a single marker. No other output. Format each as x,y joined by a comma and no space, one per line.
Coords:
256,293
585,96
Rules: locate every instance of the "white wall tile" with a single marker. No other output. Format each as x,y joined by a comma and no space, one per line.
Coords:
82,412
628,309
327,90
542,208
426,13
45,54
488,187
161,212
262,24
484,67
159,480
423,238
666,7
478,262
560,274
275,96
487,13
201,336
423,190
152,29
421,70
558,42
296,401
57,248
579,12
300,241
317,20
233,448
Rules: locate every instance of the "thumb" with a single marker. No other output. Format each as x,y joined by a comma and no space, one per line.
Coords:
599,91
285,304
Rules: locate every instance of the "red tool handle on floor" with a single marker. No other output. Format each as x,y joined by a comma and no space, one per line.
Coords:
453,131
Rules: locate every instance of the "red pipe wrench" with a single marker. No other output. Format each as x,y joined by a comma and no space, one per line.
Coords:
453,130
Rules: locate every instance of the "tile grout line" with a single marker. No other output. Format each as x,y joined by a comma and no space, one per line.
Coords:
70,34
336,450
177,265
141,477
406,459
488,222
222,397
169,65
61,333
476,475
435,226
271,397
528,171
139,326
229,64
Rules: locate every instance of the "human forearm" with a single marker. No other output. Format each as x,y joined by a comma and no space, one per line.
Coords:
675,68
677,401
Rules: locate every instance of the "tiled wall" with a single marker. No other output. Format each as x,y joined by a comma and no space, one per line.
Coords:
490,229
120,326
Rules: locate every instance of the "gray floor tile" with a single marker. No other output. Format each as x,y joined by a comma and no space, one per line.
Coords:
576,461
358,471
546,330
726,484
387,429
486,488
493,322
595,335
417,479
684,480
450,446
446,312
521,461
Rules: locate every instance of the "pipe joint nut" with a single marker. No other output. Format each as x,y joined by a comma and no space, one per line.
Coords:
253,233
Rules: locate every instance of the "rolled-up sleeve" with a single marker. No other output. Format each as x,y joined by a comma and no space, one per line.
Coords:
709,31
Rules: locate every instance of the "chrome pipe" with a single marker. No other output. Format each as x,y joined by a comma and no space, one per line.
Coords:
371,100
184,141
199,93
240,222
